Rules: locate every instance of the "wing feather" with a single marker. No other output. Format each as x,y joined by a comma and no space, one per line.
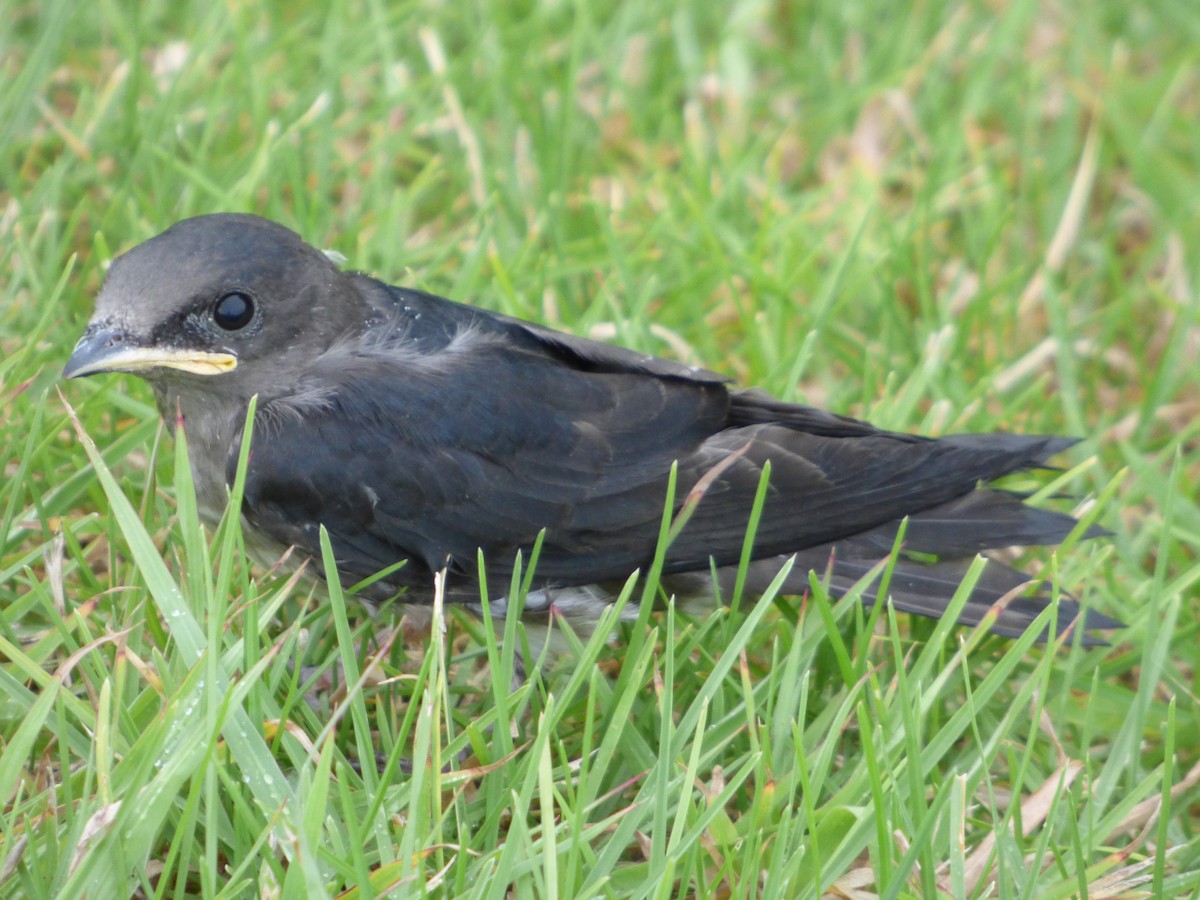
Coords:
500,430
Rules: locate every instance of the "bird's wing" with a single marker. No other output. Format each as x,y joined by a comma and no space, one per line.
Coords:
486,442
480,445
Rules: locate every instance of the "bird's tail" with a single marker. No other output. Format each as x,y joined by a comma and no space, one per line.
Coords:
927,589
946,537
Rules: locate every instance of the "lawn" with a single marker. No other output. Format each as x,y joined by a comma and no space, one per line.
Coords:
952,217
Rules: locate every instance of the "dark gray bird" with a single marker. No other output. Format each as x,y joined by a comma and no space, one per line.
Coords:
415,428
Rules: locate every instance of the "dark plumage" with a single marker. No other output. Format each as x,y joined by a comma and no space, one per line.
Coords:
416,428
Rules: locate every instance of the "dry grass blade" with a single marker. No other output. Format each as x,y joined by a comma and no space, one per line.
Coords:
1034,809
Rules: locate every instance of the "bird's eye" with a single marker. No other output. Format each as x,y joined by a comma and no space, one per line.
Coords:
233,311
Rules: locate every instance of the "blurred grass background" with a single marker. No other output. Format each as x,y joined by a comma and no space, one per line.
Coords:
943,217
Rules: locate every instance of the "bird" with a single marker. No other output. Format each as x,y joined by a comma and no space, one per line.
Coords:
420,431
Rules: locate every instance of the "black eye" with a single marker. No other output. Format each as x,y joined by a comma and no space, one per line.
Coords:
233,311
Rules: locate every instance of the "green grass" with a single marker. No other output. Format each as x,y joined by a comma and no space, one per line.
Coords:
957,217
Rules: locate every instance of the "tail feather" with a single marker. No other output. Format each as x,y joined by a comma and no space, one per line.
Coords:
924,589
981,520
927,589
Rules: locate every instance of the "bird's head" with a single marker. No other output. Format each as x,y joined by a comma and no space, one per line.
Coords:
215,299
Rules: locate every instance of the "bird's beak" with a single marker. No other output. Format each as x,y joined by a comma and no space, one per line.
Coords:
107,349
